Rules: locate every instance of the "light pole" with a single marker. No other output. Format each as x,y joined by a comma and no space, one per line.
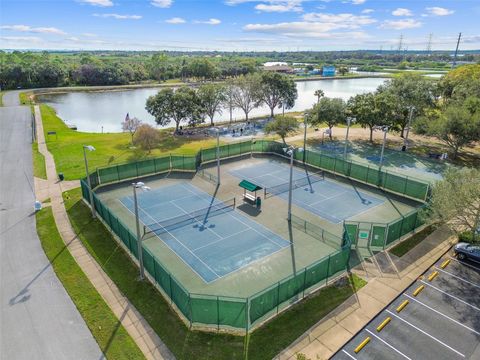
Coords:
139,185
385,131
218,157
90,190
304,135
410,115
291,152
349,121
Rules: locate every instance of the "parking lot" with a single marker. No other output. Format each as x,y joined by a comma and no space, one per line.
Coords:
437,317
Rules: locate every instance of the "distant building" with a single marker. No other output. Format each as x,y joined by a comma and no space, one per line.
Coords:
328,71
284,69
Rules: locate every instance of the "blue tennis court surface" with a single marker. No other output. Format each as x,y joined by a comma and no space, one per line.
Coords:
215,241
325,198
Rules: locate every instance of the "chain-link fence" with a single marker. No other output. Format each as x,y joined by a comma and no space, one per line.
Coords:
245,313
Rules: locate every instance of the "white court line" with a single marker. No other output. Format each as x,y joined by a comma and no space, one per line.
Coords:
464,263
425,333
174,237
219,240
350,356
457,277
196,221
452,296
441,314
390,346
248,226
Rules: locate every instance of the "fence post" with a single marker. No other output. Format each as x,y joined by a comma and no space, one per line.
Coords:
406,183
171,293
218,314
278,295
247,314
328,270
170,161
190,308
304,281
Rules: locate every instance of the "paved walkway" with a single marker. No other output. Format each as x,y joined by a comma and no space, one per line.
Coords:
145,337
387,276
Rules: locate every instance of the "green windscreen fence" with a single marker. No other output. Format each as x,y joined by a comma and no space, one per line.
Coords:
382,235
243,313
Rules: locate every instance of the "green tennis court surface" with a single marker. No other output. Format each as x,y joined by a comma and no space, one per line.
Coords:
206,233
401,162
327,199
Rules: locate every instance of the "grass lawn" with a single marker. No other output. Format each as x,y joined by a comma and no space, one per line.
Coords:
406,245
264,343
111,148
39,169
1,97
110,335
24,98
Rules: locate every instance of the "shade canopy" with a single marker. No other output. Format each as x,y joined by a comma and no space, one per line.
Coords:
247,185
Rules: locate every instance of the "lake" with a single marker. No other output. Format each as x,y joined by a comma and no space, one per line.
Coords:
97,111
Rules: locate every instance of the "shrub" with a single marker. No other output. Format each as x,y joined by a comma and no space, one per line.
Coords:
147,137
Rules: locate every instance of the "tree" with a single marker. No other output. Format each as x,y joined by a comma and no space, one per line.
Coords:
456,200
457,127
211,97
246,93
371,109
229,91
343,70
319,94
277,90
409,89
131,125
282,126
180,105
331,111
147,137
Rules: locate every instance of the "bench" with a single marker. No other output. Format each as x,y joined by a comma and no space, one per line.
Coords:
249,198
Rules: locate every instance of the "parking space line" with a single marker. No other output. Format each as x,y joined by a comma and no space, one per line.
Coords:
452,296
441,314
351,357
458,277
386,343
464,263
425,333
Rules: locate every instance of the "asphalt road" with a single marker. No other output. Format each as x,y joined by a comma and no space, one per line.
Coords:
38,320
442,321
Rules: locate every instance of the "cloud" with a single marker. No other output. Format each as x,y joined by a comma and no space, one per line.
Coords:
401,24
367,11
16,39
26,28
162,3
286,6
402,12
101,3
211,21
176,20
354,2
89,35
438,11
119,17
339,21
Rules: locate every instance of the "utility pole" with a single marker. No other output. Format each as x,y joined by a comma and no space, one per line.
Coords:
429,44
456,50
400,44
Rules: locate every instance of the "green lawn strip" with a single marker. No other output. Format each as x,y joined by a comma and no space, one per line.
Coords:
111,336
276,335
185,344
111,148
39,169
408,244
1,97
24,98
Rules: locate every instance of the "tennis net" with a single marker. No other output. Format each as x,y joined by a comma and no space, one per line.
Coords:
298,183
199,215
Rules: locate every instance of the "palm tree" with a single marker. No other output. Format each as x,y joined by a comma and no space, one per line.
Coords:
319,94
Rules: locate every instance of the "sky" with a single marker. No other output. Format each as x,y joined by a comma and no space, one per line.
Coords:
238,25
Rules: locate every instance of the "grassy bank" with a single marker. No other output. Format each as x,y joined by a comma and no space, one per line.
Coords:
111,148
407,245
110,335
39,169
264,343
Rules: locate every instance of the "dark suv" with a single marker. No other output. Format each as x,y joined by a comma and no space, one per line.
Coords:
467,251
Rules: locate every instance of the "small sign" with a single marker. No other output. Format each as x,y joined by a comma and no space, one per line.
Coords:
363,234
52,133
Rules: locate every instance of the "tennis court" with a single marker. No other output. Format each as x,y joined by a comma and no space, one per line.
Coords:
327,199
209,235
